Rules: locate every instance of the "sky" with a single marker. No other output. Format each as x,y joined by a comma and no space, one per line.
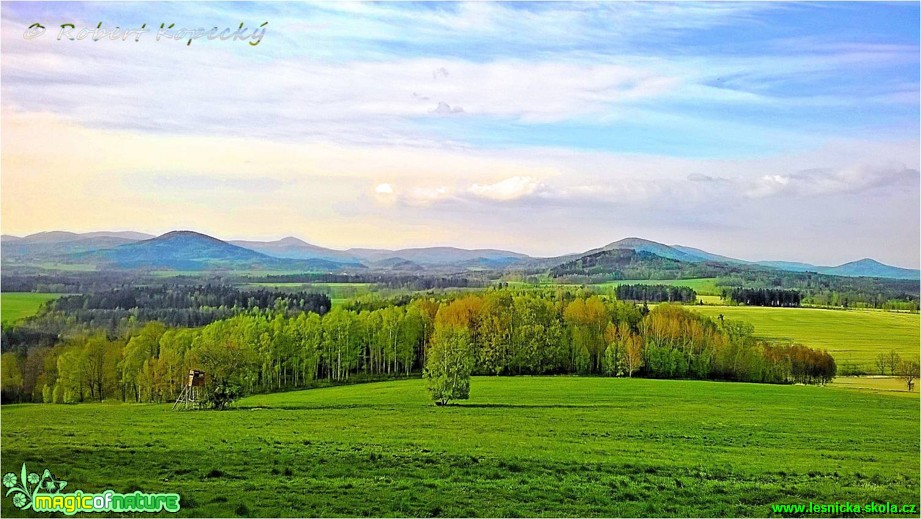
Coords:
759,130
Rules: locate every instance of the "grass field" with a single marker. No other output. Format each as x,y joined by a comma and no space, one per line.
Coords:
895,385
526,446
17,305
850,336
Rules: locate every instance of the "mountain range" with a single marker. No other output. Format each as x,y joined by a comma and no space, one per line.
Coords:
189,250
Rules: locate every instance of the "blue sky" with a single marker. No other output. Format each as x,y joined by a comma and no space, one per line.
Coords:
762,130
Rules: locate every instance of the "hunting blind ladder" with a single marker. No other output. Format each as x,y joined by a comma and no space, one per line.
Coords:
191,392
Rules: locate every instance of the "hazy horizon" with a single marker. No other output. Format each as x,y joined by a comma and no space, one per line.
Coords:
759,131
449,245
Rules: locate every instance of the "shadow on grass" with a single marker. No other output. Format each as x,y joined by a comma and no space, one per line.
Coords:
331,407
536,406
452,405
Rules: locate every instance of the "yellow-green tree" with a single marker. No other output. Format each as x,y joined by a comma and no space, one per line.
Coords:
449,364
11,379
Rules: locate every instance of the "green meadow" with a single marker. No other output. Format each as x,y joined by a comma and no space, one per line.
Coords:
856,336
521,446
17,305
893,385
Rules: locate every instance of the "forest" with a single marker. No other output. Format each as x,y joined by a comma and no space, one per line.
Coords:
506,331
834,291
763,296
114,311
656,293
816,289
181,305
608,265
20,280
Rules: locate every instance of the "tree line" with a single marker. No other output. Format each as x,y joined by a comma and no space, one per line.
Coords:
399,281
496,332
256,351
116,310
763,296
656,293
595,336
839,291
150,300
892,361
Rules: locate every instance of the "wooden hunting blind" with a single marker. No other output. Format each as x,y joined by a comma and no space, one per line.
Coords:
191,391
196,378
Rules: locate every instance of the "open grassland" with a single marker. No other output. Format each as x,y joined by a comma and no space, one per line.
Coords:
18,305
523,446
703,286
856,336
894,385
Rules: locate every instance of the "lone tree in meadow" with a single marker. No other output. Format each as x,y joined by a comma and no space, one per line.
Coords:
448,364
908,370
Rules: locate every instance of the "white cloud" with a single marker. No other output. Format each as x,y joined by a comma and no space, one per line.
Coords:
215,89
767,185
509,189
446,109
857,178
427,195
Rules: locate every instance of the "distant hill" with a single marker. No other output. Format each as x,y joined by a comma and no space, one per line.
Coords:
861,268
626,263
641,245
790,266
689,261
707,256
440,255
128,235
403,259
188,250
397,265
295,248
45,245
65,236
871,268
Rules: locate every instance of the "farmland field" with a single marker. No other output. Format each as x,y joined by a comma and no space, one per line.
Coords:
895,385
849,335
17,305
523,446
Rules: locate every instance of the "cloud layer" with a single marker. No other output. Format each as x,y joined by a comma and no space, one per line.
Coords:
759,130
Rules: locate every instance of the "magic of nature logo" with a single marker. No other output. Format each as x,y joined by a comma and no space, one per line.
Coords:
44,493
